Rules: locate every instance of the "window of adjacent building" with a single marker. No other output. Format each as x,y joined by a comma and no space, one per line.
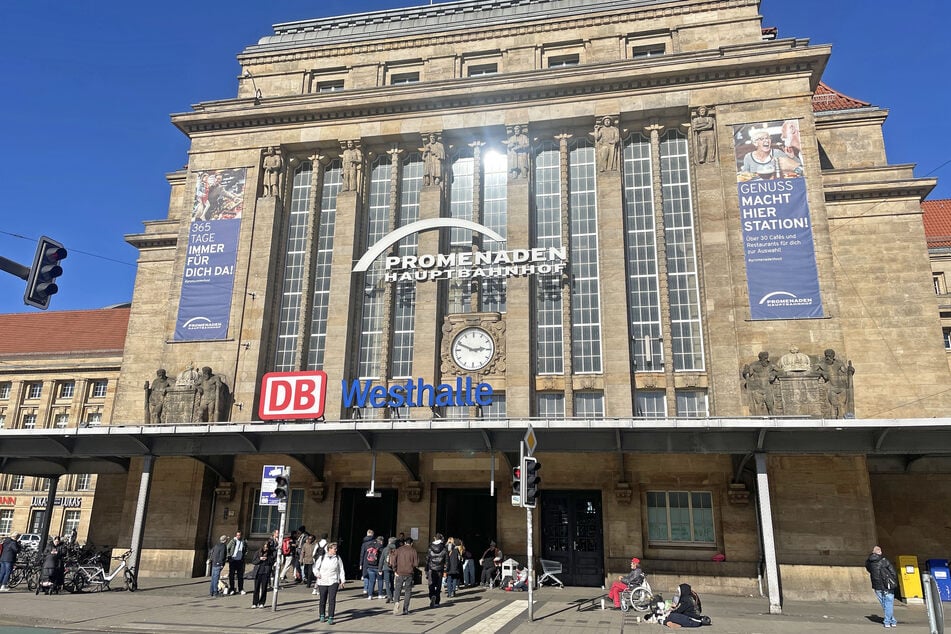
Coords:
264,519
29,421
650,404
82,481
589,404
66,389
648,50
36,521
561,61
17,482
496,409
94,419
551,404
939,285
549,336
947,338
61,421
692,403
372,318
333,181
295,256
99,389
43,484
478,70
6,521
330,85
70,522
4,391
404,78
33,390
404,292
680,517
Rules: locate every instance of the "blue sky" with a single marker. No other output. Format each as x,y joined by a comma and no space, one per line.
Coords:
90,86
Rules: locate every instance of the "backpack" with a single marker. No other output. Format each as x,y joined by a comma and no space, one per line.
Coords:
372,554
391,558
286,546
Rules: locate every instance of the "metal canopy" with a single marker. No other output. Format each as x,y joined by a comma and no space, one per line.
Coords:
107,449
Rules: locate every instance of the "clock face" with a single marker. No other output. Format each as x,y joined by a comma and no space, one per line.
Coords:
472,349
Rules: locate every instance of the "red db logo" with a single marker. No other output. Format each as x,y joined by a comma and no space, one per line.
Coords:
289,395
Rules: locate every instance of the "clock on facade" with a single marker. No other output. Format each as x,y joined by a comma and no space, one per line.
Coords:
472,349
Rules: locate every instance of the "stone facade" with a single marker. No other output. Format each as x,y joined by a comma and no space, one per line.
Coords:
314,85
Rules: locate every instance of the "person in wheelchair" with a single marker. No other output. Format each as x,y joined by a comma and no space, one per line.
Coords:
54,567
631,580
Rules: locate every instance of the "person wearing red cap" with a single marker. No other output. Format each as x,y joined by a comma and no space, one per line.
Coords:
631,580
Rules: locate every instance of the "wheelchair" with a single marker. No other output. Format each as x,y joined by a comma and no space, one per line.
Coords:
637,597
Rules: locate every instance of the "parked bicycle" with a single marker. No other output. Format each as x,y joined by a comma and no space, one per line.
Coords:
92,575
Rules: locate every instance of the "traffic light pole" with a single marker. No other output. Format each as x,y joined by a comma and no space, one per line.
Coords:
531,556
279,559
14,268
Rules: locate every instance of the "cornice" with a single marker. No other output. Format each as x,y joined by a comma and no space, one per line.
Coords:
144,241
778,58
913,188
444,34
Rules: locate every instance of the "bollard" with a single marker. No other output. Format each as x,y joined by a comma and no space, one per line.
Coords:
602,603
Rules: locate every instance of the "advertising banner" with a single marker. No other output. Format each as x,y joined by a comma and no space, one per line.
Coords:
781,273
204,308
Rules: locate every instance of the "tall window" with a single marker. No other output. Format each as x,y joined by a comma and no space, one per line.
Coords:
404,293
6,521
460,240
70,521
585,293
82,481
684,517
549,340
333,179
33,390
643,283
295,256
4,391
682,275
66,389
494,216
99,389
264,519
372,319
17,482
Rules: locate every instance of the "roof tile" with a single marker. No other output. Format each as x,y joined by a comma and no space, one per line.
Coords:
64,331
937,219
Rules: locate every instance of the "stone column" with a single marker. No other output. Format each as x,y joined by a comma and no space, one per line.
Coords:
518,332
566,332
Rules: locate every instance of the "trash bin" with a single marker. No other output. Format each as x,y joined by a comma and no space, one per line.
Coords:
909,579
942,577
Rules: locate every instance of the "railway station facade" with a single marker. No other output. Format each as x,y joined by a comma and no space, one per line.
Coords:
593,218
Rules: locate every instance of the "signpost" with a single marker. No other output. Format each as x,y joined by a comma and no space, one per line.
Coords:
269,485
527,449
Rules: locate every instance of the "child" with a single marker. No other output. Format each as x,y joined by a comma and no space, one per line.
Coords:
631,580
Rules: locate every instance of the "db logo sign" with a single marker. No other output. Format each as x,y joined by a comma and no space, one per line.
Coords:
289,395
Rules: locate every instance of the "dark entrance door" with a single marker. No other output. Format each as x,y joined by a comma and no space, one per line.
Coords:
469,514
359,513
572,533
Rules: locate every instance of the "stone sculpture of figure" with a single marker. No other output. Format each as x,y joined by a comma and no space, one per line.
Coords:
156,395
607,143
838,378
704,135
760,377
188,377
210,391
352,167
273,167
795,361
434,158
518,148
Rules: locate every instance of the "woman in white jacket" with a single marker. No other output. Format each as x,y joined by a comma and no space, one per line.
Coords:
330,577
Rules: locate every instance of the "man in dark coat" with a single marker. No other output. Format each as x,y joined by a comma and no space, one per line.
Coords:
11,547
884,581
436,568
406,560
218,556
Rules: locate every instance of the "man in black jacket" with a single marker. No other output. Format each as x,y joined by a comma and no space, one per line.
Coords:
11,547
436,568
884,581
217,556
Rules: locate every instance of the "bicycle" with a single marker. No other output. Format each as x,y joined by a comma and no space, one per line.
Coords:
637,597
93,575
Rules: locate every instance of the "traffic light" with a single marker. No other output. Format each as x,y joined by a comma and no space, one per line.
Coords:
282,484
41,283
531,480
517,482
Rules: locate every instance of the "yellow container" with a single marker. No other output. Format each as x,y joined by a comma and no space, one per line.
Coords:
909,578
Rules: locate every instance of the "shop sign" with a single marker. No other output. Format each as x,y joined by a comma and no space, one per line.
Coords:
416,393
293,395
70,503
8,500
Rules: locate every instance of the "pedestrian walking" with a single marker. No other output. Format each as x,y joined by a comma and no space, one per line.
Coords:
406,560
436,568
263,568
330,577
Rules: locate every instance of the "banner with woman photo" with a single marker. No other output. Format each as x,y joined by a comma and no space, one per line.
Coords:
204,309
776,226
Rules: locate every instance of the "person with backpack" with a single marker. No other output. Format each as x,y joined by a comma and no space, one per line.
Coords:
687,609
436,560
387,559
289,553
372,560
884,582
370,537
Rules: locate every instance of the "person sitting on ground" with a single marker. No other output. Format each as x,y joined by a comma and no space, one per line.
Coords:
686,610
631,580
519,582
